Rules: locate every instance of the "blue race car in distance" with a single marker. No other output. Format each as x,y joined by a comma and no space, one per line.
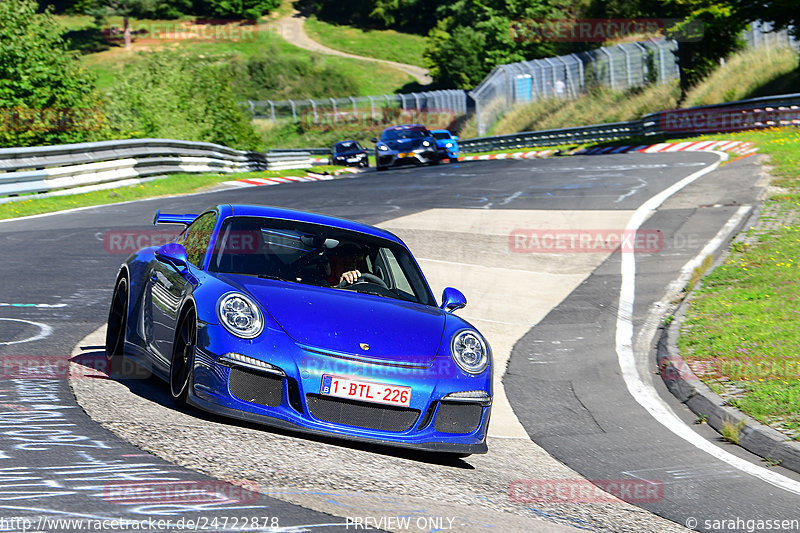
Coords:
447,144
246,314
349,153
405,144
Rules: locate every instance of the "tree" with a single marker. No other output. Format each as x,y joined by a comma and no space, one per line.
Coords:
45,95
249,9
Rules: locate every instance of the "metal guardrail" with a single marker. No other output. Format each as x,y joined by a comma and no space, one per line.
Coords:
579,135
48,168
280,160
52,168
649,125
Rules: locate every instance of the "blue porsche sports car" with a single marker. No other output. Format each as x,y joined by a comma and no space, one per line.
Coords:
306,322
447,144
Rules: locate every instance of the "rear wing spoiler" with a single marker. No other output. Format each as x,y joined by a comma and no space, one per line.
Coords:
166,218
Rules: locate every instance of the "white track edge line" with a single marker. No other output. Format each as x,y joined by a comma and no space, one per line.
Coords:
645,396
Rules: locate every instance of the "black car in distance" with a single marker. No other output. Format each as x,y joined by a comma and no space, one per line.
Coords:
349,153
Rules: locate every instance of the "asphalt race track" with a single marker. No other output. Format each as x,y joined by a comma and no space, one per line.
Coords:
555,317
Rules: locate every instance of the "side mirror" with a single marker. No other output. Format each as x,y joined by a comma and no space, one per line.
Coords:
452,299
455,137
373,140
174,254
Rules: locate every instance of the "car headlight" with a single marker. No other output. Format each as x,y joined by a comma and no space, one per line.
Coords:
383,147
240,315
470,351
426,143
449,145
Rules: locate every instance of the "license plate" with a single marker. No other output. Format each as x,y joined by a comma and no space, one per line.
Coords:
353,159
406,154
366,391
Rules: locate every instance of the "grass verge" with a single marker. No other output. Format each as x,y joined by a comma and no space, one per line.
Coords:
171,185
742,327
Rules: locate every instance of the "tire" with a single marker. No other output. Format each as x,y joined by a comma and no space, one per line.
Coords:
381,168
117,321
182,363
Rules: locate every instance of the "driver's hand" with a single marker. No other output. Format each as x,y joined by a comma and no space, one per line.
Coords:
350,276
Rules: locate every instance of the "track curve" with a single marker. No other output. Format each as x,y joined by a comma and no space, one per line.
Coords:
347,480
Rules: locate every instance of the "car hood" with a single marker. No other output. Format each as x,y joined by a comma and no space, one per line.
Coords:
336,320
404,144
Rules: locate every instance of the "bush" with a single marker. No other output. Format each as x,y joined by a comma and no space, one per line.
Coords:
45,95
171,95
271,75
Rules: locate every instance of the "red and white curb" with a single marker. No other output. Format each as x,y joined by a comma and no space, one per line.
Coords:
512,155
278,180
735,147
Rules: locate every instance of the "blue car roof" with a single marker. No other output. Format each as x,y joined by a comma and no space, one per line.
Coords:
312,218
441,131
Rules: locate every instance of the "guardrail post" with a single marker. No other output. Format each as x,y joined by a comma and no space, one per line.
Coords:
627,64
294,111
662,69
272,108
314,108
643,51
610,66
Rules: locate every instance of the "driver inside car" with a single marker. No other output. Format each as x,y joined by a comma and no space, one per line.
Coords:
345,262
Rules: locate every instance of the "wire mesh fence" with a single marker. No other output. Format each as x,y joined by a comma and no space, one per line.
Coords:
619,67
433,108
622,66
762,34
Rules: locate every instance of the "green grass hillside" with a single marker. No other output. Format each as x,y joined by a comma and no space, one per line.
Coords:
380,44
304,78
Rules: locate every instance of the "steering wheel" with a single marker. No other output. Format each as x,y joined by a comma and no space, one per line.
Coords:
365,278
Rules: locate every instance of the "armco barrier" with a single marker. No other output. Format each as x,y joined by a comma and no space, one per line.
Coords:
49,168
278,160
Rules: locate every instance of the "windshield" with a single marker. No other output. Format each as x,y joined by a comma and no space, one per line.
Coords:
312,254
347,146
393,135
441,135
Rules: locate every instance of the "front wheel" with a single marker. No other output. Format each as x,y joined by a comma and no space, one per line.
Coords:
181,367
117,321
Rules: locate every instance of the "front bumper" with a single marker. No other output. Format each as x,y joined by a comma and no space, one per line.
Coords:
290,397
390,158
358,160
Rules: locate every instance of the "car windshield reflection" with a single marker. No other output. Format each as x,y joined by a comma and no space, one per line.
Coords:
313,254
